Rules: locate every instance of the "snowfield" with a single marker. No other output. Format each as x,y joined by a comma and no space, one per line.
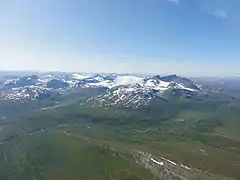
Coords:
125,80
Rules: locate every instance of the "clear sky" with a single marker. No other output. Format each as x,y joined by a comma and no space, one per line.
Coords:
190,37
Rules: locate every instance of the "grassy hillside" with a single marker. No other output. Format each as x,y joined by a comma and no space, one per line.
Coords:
54,155
73,141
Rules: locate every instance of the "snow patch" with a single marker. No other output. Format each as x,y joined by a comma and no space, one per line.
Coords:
10,81
80,76
125,80
155,161
169,161
185,167
106,83
182,87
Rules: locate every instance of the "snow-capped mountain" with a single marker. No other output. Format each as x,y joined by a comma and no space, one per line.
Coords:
27,93
30,88
131,95
19,82
121,89
132,91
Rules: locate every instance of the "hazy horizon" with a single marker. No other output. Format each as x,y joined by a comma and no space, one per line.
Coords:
54,72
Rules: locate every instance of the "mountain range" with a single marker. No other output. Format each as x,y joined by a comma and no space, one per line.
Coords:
125,89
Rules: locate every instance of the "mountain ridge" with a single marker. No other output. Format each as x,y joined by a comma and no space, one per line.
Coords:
134,87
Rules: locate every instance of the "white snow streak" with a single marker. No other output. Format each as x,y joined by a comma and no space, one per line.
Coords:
155,161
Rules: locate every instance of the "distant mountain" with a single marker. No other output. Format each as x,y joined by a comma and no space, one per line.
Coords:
57,84
29,93
132,95
134,92
2,80
125,90
19,82
187,83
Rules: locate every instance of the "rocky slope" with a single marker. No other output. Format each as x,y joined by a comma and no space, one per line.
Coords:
124,90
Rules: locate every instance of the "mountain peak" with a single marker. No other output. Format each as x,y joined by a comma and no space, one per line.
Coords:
57,84
158,77
172,77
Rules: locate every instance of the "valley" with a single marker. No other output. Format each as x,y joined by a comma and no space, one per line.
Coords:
118,127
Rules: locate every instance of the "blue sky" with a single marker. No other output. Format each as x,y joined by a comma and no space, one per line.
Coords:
189,37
